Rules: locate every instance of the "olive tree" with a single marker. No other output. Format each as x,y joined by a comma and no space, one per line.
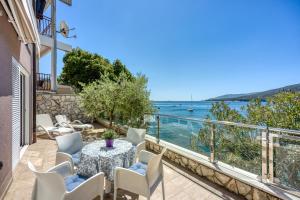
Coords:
126,99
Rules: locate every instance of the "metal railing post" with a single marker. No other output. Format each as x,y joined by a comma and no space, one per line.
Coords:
264,155
271,157
158,128
212,144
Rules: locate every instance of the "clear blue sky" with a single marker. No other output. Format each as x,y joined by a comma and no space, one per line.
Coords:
205,48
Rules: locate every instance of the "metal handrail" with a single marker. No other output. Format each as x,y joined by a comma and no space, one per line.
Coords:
268,144
43,81
44,26
242,125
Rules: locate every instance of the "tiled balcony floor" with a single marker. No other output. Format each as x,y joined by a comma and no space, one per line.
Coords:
177,186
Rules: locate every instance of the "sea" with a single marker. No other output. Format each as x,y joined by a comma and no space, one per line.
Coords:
180,131
200,108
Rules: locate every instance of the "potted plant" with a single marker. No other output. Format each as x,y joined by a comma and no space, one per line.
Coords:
109,137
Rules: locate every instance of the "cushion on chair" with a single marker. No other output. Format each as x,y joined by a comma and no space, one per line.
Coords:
139,167
136,135
73,181
76,157
82,126
70,143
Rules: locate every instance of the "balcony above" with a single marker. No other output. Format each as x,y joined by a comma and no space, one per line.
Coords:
44,24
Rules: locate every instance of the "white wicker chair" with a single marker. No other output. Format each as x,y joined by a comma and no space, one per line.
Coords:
137,138
143,177
45,124
76,124
60,182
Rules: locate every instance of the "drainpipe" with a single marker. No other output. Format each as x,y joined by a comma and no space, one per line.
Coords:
54,46
34,64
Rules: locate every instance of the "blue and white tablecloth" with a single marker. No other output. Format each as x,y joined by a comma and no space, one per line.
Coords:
96,157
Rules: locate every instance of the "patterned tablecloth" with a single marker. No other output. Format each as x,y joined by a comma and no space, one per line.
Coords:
96,157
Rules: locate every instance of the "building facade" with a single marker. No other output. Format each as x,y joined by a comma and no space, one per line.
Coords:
19,44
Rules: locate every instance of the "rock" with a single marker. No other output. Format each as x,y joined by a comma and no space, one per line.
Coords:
184,160
211,178
217,181
249,196
232,186
207,171
222,178
259,195
57,104
39,98
243,188
156,148
192,165
198,170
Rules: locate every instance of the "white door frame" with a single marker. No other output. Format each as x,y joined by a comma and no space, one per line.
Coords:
16,148
27,98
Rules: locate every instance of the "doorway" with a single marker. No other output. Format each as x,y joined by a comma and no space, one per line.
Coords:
20,108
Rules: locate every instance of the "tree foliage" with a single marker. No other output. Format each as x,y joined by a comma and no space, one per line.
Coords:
83,67
241,147
126,99
280,111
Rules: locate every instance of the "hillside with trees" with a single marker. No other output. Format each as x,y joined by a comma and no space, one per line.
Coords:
256,95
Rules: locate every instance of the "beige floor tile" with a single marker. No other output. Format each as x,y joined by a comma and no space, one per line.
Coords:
42,155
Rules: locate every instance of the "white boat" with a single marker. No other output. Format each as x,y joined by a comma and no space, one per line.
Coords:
191,108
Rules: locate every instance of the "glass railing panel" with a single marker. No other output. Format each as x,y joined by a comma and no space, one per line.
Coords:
286,160
239,147
151,125
184,133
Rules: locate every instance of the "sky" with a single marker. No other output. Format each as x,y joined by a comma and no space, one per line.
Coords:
203,48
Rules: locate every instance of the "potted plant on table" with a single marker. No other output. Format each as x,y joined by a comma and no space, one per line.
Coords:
109,137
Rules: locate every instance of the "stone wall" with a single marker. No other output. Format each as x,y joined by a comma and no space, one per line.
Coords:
233,185
60,104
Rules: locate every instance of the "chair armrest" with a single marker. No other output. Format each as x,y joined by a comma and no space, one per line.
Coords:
76,122
64,169
145,156
89,189
122,176
141,146
63,157
44,129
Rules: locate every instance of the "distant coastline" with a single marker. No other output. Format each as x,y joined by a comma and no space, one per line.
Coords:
256,95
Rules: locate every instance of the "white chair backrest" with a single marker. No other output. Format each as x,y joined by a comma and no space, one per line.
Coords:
48,185
154,169
62,119
136,135
44,120
69,143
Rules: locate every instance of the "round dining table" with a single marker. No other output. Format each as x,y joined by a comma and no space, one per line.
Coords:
96,157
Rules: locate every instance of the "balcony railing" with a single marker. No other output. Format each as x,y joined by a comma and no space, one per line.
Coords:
45,26
271,155
43,82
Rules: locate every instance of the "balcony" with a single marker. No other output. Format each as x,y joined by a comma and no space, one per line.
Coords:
268,158
45,26
43,82
178,186
197,167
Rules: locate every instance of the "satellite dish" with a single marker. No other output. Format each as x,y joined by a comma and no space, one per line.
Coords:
64,29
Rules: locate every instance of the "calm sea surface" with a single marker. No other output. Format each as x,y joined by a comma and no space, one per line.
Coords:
180,131
200,108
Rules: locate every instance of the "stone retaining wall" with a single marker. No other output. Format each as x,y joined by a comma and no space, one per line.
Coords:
55,104
233,185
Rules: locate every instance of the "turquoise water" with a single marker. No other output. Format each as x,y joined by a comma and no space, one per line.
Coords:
200,108
179,131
